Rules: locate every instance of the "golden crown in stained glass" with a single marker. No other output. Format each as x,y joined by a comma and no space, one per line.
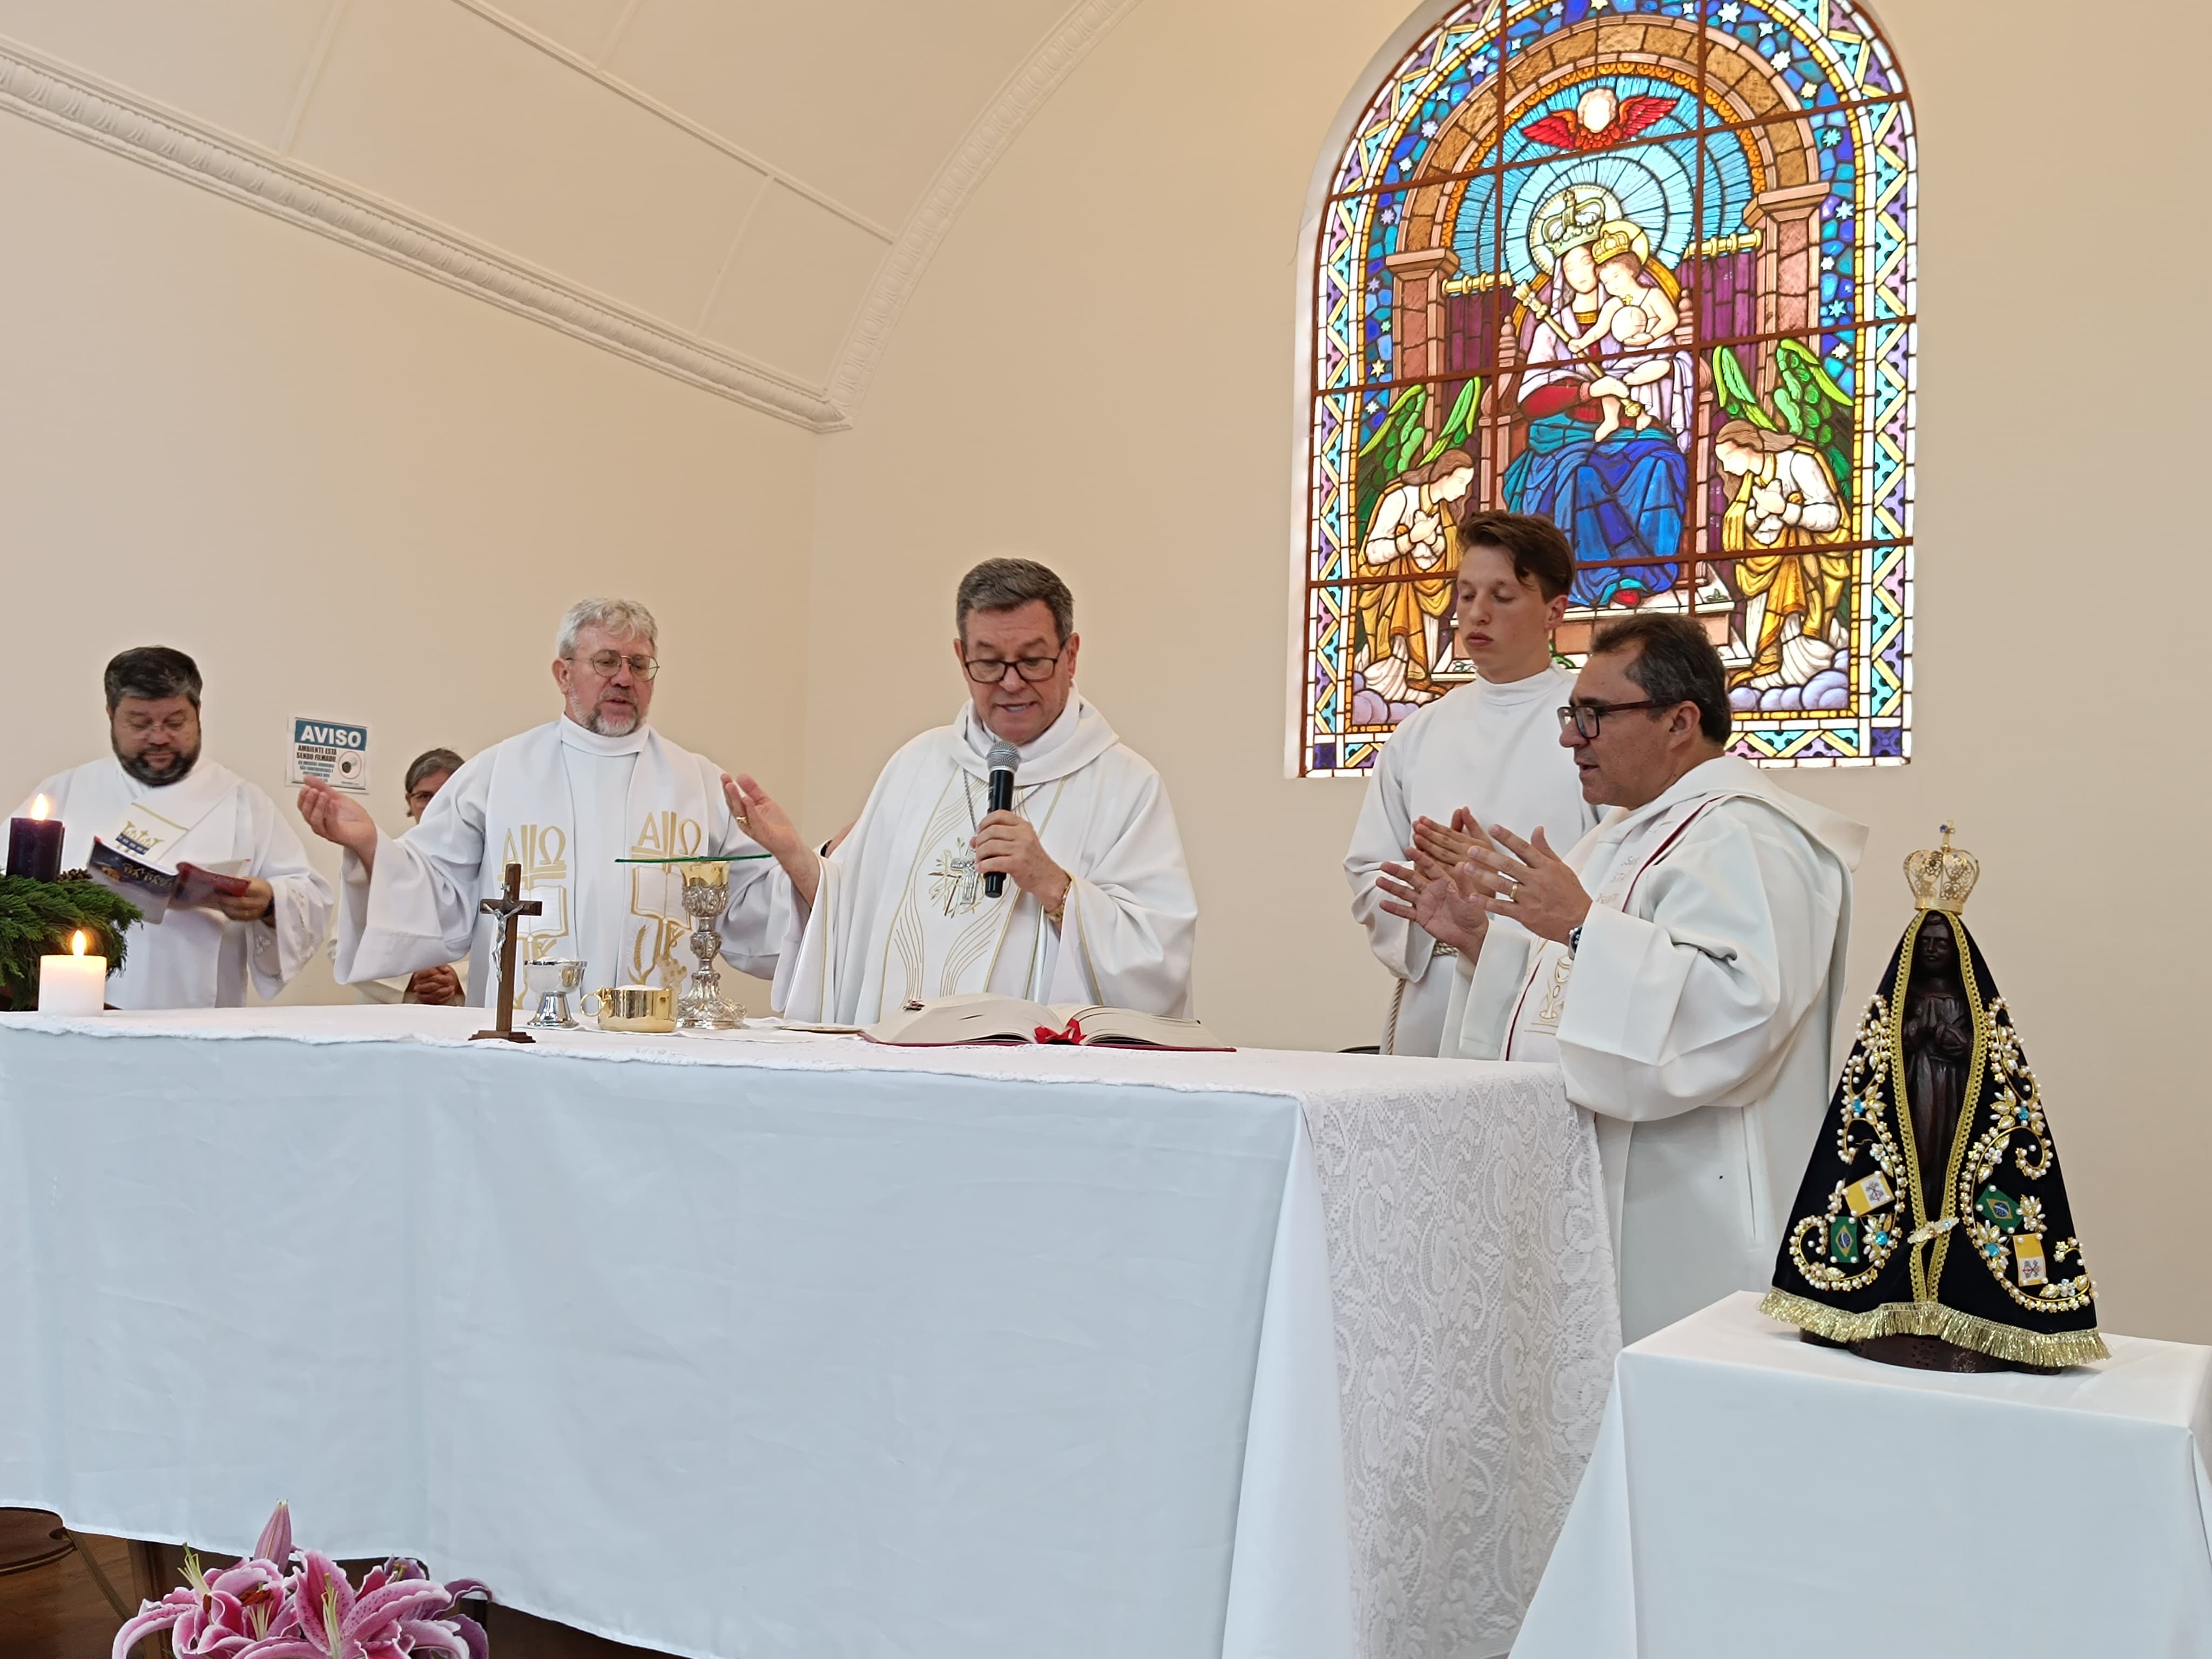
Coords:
1942,877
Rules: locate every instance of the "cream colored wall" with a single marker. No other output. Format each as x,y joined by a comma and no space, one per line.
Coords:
1098,368
352,493
226,429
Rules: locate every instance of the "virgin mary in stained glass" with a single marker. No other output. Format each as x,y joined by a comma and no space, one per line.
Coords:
1607,396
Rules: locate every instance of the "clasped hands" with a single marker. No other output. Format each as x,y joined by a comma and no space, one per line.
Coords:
1460,875
1006,844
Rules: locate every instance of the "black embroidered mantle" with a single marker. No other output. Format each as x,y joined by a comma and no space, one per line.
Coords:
1988,1259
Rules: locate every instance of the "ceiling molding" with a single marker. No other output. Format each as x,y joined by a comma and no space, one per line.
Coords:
1082,26
69,100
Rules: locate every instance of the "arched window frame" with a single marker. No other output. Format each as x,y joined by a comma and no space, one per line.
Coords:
1824,78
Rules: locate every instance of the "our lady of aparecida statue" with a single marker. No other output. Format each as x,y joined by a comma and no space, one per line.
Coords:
1932,1228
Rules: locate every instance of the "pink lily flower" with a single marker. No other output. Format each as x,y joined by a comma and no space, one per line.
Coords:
280,1604
392,1620
275,1546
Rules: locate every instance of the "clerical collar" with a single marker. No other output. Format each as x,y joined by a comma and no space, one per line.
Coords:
980,737
592,743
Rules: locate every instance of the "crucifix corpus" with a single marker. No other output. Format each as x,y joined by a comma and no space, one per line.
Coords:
509,908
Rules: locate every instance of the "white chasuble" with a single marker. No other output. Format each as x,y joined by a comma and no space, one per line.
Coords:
1494,749
901,912
565,804
1695,1021
195,958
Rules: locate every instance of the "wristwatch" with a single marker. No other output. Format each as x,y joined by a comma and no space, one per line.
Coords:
1574,938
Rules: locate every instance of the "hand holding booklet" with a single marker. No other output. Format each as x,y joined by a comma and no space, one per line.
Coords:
153,887
982,1017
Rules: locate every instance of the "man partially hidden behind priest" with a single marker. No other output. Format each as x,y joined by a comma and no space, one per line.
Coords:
565,801
1097,904
1683,965
187,810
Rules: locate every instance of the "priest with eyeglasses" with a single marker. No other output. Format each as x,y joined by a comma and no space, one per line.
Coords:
1095,903
1682,964
565,801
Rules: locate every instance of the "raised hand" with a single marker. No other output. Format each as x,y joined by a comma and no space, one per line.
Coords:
771,828
339,819
1446,908
1528,881
1439,848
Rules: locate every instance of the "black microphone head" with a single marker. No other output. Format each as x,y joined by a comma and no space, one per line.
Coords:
1003,757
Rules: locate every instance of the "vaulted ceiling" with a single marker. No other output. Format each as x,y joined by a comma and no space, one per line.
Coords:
735,191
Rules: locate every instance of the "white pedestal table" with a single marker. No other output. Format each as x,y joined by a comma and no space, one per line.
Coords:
1753,1495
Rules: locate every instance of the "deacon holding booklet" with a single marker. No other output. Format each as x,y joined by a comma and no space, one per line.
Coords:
1487,751
566,801
1683,965
253,909
1053,872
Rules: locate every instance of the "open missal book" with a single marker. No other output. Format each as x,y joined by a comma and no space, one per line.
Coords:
981,1017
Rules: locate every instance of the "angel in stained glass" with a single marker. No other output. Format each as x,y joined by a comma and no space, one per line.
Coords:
1789,509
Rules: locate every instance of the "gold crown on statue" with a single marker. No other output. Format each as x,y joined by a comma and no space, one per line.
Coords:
1942,877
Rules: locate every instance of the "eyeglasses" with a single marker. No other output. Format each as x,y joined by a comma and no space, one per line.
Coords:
1587,718
989,670
607,664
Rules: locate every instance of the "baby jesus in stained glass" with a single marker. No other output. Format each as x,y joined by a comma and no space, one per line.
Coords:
1635,314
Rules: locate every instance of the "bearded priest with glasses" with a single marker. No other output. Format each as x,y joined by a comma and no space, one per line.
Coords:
1096,903
1682,964
564,800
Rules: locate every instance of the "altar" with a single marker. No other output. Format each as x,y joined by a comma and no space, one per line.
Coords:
770,1343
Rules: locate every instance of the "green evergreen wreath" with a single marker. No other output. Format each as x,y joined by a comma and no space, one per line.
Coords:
38,917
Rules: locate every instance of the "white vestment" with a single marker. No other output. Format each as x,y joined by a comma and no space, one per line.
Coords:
901,911
1494,749
1696,1020
564,803
196,958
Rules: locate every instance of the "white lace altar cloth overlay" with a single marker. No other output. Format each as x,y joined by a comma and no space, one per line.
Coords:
1468,1287
1477,1319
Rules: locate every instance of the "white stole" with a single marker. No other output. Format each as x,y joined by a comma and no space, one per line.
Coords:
152,828
531,818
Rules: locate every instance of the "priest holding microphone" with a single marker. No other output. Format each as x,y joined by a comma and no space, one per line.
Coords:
1064,882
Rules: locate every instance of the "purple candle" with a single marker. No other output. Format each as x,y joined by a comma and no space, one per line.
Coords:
34,844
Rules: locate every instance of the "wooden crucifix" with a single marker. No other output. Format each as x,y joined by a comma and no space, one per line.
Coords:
510,908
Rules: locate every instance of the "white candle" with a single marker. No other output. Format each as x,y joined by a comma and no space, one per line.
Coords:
75,984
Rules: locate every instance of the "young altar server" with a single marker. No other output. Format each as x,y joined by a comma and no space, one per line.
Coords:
1683,965
1489,748
187,809
448,983
1096,905
564,800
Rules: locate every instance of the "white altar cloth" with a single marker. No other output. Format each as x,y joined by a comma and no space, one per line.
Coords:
763,1344
1754,1495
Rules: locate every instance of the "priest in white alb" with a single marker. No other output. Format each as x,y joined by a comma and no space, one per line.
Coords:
158,796
567,801
1096,905
1682,964
1487,751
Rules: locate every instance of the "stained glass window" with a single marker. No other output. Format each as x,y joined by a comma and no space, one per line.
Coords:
1644,266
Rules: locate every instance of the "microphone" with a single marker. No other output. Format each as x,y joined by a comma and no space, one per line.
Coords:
1002,760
